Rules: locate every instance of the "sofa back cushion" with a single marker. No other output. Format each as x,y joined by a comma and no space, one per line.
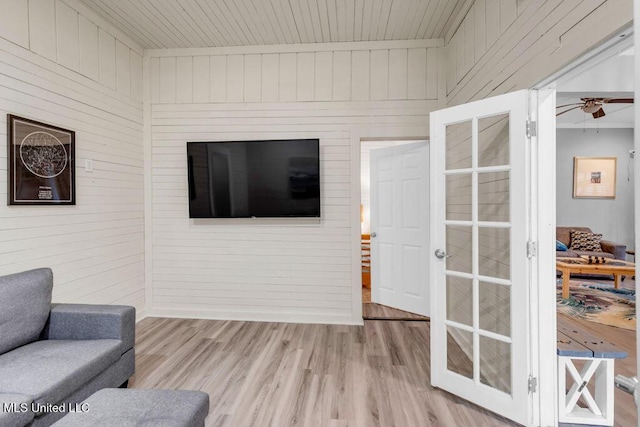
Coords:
25,302
563,234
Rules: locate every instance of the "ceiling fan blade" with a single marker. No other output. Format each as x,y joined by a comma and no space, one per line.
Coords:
569,105
566,111
598,114
618,101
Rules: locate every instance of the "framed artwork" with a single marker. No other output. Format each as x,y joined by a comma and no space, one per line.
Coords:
594,177
41,163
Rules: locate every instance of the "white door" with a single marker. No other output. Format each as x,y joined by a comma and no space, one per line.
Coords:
400,227
480,280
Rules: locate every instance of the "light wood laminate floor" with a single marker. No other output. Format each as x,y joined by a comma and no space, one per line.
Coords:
262,374
373,311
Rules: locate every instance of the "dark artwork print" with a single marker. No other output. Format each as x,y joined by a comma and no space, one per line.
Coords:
41,163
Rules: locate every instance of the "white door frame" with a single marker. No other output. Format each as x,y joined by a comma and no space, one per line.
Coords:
358,135
636,147
543,158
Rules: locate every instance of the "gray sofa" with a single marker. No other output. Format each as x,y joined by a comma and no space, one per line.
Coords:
57,354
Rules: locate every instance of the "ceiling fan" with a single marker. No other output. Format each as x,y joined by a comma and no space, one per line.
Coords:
594,106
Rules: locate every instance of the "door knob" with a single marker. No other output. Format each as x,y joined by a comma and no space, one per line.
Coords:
440,254
374,234
630,385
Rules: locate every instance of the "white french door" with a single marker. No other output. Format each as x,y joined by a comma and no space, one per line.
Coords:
480,283
400,227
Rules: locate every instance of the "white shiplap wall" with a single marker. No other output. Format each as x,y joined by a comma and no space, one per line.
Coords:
505,45
287,270
63,65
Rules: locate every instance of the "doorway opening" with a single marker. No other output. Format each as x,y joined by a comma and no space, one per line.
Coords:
594,189
390,197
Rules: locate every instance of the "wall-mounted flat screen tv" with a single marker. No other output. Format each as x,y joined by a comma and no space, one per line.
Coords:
254,179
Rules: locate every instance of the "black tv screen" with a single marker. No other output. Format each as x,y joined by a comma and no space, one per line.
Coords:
253,179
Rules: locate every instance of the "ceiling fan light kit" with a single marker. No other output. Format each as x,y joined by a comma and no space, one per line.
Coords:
594,106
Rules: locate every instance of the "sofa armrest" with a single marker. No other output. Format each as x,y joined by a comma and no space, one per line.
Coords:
616,249
91,322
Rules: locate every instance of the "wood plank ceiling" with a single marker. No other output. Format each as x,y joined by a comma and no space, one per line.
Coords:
158,24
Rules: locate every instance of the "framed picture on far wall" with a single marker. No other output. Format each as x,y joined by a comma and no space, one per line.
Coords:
41,163
594,177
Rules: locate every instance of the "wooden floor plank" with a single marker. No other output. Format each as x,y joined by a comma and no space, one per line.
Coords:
287,374
282,374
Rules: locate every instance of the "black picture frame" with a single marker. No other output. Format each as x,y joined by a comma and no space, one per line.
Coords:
41,163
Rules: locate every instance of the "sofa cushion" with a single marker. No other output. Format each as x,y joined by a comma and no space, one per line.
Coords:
50,370
15,410
585,241
25,301
566,254
152,408
563,234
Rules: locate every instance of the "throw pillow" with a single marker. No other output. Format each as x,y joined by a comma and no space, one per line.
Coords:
560,246
585,241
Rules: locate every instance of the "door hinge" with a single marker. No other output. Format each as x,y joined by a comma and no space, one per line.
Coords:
532,128
533,384
532,249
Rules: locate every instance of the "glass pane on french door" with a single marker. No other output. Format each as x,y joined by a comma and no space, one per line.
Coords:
478,272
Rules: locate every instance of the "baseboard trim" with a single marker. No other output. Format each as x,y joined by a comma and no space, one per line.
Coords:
141,315
255,317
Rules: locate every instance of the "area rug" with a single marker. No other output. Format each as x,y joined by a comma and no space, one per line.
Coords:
599,303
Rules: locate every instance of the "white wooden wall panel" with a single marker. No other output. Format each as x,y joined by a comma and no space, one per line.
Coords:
154,79
469,43
201,78
379,74
433,84
503,45
288,74
184,80
235,78
136,76
508,13
14,22
305,80
398,74
218,82
168,76
123,69
360,75
269,78
95,248
341,76
417,73
252,84
89,50
492,18
68,36
479,10
42,28
107,51
323,76
273,269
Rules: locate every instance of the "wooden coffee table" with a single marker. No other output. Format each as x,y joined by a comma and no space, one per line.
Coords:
617,267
